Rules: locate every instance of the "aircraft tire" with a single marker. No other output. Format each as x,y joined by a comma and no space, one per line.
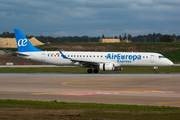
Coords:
89,71
96,71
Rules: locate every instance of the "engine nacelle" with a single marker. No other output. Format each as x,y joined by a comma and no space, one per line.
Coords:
106,67
118,69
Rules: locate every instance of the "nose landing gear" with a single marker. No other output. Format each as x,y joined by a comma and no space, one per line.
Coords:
155,71
155,68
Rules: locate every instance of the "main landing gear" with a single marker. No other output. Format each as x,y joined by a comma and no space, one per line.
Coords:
91,71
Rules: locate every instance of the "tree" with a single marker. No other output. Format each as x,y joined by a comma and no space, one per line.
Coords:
103,36
124,36
120,37
129,36
115,37
166,38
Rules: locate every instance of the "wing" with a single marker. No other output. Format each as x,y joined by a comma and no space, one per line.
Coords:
83,62
86,62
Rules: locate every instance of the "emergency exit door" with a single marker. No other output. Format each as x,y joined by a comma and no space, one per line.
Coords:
152,58
43,56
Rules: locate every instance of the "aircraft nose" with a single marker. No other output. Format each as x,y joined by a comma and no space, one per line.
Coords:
170,62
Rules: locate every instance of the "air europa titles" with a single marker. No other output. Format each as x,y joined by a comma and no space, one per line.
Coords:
123,58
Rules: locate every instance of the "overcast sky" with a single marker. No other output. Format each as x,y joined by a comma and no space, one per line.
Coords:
90,17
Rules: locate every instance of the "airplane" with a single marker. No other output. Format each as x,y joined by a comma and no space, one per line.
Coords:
95,61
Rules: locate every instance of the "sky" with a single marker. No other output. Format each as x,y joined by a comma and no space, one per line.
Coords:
93,18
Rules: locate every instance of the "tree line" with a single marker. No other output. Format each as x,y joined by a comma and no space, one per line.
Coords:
140,38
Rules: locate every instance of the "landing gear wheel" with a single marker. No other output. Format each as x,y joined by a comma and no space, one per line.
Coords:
155,68
155,71
89,71
96,70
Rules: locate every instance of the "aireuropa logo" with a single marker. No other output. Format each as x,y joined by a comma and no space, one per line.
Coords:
123,58
22,42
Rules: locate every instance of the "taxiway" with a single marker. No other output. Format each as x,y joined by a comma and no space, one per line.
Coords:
134,89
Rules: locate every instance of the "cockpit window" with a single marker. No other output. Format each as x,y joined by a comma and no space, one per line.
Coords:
161,57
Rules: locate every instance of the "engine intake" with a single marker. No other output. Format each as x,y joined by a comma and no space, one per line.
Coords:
106,67
109,67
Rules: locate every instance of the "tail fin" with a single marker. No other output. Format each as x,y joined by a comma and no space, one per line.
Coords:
23,44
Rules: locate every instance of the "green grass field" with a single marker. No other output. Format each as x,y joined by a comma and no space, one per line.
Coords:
173,69
19,109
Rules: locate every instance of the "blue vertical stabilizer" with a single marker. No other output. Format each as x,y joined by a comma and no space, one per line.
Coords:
23,44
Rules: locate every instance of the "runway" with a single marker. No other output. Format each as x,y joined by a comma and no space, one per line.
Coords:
133,89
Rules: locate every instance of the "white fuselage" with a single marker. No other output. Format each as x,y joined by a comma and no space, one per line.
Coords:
123,59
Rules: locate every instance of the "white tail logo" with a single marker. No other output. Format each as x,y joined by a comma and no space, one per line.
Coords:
22,42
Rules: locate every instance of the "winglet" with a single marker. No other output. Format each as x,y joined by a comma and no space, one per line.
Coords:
63,55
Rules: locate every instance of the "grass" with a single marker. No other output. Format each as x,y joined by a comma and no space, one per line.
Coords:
173,69
24,109
173,55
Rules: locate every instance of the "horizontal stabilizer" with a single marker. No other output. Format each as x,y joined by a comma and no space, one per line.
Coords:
22,54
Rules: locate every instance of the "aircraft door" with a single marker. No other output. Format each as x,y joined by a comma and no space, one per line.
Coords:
152,58
43,56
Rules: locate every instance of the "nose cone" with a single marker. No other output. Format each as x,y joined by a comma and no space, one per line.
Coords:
170,63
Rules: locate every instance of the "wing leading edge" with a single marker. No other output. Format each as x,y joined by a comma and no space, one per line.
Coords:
82,61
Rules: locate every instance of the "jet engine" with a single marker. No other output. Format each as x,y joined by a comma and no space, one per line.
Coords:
106,67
